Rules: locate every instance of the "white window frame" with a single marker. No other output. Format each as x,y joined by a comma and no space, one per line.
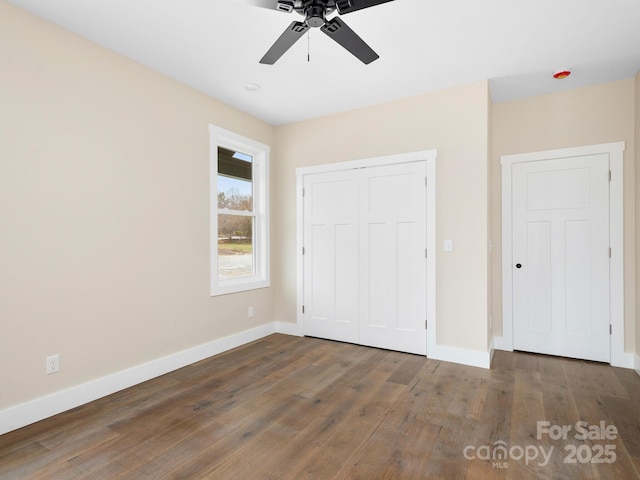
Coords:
219,137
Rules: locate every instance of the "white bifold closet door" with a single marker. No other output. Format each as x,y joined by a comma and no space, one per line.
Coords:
364,256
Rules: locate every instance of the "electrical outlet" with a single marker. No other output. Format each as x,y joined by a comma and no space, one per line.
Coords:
250,312
53,364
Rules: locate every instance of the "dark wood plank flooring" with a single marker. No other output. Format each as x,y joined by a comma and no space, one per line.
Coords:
303,408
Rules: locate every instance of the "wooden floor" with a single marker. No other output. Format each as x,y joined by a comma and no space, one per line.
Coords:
303,408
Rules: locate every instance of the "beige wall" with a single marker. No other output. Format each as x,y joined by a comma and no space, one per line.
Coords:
104,253
455,122
586,116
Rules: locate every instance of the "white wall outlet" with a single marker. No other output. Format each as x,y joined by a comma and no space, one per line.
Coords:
53,364
250,312
448,245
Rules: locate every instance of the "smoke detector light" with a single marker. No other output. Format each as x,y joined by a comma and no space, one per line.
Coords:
561,74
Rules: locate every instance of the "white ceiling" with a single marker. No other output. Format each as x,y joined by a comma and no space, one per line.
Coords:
424,45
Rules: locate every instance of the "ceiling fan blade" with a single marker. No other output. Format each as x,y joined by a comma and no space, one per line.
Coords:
281,5
270,4
285,42
341,33
348,6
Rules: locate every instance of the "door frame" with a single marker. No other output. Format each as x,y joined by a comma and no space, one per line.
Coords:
427,156
615,152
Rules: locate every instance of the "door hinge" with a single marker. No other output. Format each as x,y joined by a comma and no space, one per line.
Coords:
609,252
610,329
303,192
302,308
425,181
425,324
303,250
425,253
609,175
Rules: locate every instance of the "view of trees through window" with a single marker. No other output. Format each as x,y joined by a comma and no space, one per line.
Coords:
235,214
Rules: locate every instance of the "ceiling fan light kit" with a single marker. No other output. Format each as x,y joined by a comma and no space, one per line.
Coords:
315,13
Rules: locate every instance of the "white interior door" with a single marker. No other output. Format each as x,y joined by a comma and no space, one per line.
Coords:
392,252
560,211
364,256
331,256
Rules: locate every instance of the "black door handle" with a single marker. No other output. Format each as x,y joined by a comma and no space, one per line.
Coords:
518,265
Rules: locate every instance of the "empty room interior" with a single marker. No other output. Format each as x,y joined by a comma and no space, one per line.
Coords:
232,252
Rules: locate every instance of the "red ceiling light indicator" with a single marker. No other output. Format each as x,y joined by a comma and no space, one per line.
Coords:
561,74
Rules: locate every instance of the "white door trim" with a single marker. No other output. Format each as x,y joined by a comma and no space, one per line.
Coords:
427,156
616,231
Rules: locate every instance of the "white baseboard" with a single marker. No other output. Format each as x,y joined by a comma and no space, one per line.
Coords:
622,360
38,409
472,358
636,361
503,343
287,328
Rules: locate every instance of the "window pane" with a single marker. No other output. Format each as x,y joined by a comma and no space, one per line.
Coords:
235,180
234,194
235,246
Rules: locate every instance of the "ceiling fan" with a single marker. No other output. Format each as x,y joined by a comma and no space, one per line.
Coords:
315,13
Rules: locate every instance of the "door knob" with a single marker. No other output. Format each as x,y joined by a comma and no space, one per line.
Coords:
518,265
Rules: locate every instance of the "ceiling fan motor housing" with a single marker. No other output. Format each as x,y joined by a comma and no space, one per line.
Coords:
315,13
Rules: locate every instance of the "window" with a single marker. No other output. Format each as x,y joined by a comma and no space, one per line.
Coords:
239,212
